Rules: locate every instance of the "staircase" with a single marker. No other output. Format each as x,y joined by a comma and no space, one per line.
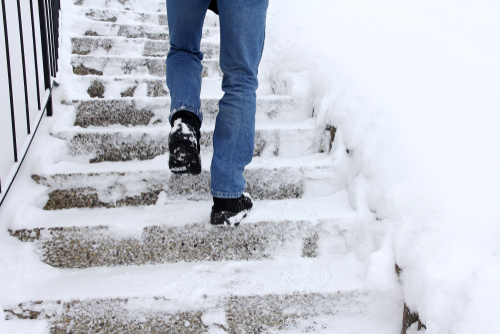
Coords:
131,243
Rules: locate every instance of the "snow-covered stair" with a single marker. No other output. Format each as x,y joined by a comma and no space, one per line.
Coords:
131,242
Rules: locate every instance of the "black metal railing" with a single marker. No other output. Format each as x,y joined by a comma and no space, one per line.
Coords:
44,35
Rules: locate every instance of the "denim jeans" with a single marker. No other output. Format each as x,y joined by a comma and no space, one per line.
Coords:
242,30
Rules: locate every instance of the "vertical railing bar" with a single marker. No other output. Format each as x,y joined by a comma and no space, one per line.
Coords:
50,107
45,52
23,61
53,29
58,22
44,44
49,36
35,55
54,61
55,13
11,95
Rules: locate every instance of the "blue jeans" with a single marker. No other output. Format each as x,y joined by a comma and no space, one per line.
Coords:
242,25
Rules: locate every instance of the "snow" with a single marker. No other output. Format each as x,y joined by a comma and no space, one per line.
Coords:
412,88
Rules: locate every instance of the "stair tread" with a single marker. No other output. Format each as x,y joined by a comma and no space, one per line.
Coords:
145,188
344,311
334,208
139,47
125,16
144,111
117,64
329,274
151,6
314,161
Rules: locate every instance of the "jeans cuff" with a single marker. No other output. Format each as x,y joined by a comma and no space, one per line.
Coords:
195,111
220,194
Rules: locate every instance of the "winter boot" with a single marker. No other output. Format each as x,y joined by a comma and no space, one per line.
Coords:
184,144
230,211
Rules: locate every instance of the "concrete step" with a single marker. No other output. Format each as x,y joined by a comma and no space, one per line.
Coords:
112,87
122,16
362,311
322,200
99,46
134,5
153,32
148,143
134,17
121,30
137,111
116,65
118,189
104,246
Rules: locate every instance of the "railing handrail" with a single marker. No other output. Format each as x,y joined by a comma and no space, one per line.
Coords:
47,35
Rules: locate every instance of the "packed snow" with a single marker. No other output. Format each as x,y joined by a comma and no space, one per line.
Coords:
412,88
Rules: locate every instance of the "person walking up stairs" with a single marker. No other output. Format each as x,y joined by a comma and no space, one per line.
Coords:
242,25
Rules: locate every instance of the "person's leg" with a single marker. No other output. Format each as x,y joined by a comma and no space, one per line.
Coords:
185,25
184,68
242,25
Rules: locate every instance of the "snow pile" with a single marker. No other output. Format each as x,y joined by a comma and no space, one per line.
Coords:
412,88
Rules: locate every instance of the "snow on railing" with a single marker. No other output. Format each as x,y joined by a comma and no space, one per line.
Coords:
31,53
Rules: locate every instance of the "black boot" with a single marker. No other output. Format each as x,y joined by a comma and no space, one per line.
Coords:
184,144
230,211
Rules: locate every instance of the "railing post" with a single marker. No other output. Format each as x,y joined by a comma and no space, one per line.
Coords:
9,76
49,107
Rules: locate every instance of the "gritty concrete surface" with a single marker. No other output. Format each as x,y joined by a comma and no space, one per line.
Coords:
157,88
310,246
110,112
90,33
161,48
129,92
85,45
127,112
110,316
155,49
103,16
154,66
111,15
85,247
82,70
96,89
308,312
138,189
150,6
116,45
132,31
117,146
